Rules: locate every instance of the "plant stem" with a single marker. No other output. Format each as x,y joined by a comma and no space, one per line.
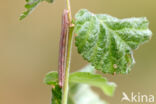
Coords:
67,69
68,55
69,10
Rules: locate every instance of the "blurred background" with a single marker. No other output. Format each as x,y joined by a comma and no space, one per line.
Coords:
29,49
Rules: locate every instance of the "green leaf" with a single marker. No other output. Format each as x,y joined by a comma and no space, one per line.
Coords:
107,42
93,80
31,4
80,93
56,95
51,78
83,94
84,77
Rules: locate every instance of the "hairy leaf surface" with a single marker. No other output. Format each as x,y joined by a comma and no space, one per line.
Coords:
31,4
107,42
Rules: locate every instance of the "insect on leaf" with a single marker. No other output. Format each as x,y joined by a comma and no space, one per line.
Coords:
107,42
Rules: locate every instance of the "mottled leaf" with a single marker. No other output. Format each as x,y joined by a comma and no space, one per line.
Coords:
30,5
93,80
107,42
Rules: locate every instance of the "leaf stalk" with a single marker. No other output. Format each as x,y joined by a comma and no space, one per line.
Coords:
69,10
67,69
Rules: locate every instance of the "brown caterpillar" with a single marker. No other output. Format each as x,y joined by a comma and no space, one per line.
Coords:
63,45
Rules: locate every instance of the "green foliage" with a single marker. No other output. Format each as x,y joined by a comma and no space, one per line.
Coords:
51,78
107,42
87,77
31,4
93,80
82,93
56,95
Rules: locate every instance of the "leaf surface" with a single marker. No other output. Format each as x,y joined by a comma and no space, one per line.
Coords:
107,42
56,95
51,78
86,76
93,80
30,5
82,93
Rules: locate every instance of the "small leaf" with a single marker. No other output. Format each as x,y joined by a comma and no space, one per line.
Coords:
83,94
85,78
56,95
31,4
93,80
107,42
51,78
